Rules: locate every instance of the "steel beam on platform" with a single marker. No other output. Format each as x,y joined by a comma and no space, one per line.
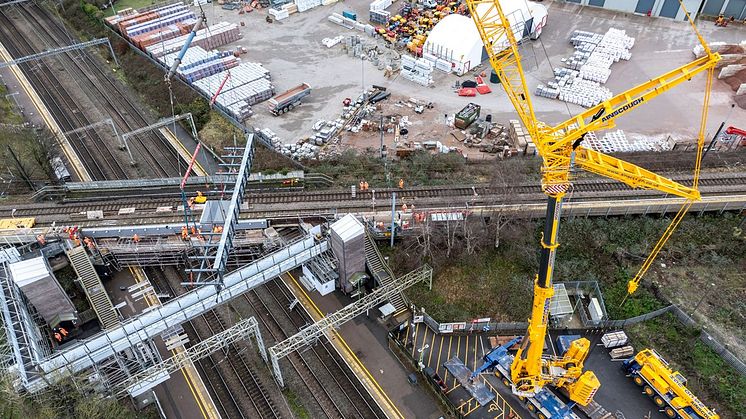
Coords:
61,50
310,334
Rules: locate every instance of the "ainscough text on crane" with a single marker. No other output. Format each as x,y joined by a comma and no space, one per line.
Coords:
623,109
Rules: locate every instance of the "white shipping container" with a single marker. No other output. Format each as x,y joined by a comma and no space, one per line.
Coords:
594,309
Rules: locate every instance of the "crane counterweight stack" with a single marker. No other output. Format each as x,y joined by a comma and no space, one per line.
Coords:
561,150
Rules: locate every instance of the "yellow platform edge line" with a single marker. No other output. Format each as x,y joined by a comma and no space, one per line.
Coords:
194,382
64,144
392,407
182,151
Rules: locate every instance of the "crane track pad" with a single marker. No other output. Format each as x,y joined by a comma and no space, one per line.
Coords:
476,388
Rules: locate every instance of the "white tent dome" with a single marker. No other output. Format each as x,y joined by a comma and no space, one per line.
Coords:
456,39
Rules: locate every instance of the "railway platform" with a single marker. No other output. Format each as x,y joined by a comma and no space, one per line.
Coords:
45,116
362,344
184,395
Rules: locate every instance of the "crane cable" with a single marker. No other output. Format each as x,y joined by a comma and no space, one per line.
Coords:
634,283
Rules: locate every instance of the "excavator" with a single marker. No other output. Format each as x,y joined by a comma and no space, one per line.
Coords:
561,149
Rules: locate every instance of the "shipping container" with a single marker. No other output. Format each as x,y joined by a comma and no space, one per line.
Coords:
467,116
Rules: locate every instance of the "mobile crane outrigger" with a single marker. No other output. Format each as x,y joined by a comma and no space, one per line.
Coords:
561,149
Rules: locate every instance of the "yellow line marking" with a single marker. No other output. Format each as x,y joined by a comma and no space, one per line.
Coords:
458,352
185,154
348,350
432,347
455,386
406,335
72,157
476,344
398,313
440,352
465,403
424,342
450,341
206,408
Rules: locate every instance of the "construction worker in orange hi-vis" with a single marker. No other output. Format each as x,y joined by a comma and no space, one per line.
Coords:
365,185
41,239
184,233
58,337
401,183
63,331
362,185
136,238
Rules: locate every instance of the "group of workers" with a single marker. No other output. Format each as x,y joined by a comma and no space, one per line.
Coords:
60,333
363,185
723,21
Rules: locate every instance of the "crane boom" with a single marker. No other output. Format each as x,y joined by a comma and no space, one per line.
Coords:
560,149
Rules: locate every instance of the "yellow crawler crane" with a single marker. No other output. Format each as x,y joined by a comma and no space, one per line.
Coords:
561,150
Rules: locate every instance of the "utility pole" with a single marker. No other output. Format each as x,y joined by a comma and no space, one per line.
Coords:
393,217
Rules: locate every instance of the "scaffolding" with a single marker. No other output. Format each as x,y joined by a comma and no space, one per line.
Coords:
214,264
23,344
172,250
98,349
310,334
147,379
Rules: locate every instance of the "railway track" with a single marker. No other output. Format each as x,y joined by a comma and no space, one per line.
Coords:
258,202
124,113
352,400
223,397
100,162
257,402
159,156
235,358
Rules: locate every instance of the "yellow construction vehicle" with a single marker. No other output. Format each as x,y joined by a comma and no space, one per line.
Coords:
561,149
666,387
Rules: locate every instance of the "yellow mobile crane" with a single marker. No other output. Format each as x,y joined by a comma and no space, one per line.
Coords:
561,150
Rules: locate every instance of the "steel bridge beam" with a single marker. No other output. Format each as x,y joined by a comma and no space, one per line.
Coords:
60,50
8,3
139,383
152,323
310,334
216,264
160,124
